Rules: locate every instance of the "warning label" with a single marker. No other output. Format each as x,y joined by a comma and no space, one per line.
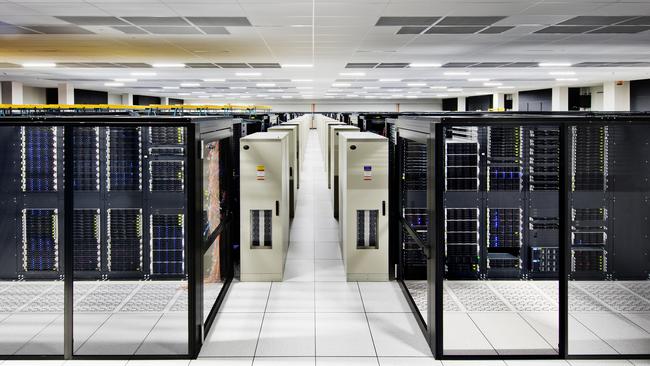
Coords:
261,172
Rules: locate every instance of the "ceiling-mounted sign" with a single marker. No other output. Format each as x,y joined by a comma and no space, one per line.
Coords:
260,172
367,172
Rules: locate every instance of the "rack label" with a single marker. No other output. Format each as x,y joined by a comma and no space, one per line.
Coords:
367,172
261,172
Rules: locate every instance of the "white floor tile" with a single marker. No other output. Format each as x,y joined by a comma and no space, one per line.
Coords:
302,234
641,362
18,329
583,341
299,270
95,363
600,363
346,361
158,363
623,335
640,319
112,339
462,337
32,363
328,250
546,323
520,338
223,361
291,297
300,250
408,361
287,334
343,334
383,297
168,337
284,361
233,334
474,363
246,297
397,334
329,270
327,235
537,363
338,297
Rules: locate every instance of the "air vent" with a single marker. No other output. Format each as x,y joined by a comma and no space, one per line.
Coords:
215,30
265,65
622,29
201,65
172,30
496,29
453,30
490,64
93,20
220,21
568,29
397,21
8,65
59,29
160,21
411,30
638,21
595,20
129,29
392,65
234,65
360,65
458,64
10,29
470,21
522,64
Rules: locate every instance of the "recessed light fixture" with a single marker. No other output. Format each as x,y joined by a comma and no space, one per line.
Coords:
261,85
198,92
125,80
304,87
184,93
455,90
397,96
394,90
352,73
113,84
559,73
237,87
505,87
275,90
300,25
168,65
555,64
416,84
143,73
412,97
371,87
442,95
456,73
170,87
438,87
214,80
248,73
566,79
419,64
352,95
340,85
217,95
190,85
287,97
261,95
245,96
389,80
492,83
39,64
297,65
301,80
478,79
204,96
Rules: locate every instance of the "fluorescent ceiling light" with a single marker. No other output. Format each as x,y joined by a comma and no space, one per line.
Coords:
416,84
214,80
217,95
113,84
189,85
557,73
351,95
245,96
352,73
304,87
301,80
492,83
478,79
248,73
505,87
566,79
442,95
287,97
438,87
261,95
296,65
389,80
237,87
170,87
204,96
340,85
143,73
371,87
39,64
456,73
265,85
412,97
370,97
417,64
125,80
275,90
184,93
270,98
394,90
300,25
554,64
162,65
455,89
198,92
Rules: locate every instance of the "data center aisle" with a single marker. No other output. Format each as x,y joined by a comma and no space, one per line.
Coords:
315,316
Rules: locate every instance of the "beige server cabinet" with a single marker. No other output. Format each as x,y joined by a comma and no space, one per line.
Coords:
363,171
300,149
293,131
333,171
325,138
264,200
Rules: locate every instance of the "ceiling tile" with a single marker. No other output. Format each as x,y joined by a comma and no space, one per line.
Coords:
594,20
396,21
637,21
10,29
129,29
8,65
168,21
220,21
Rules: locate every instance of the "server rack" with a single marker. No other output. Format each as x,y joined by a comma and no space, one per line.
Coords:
133,208
524,197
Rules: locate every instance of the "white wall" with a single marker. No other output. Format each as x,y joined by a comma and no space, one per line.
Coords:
33,95
114,98
597,98
430,105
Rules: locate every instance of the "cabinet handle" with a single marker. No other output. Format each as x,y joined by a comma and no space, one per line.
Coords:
277,208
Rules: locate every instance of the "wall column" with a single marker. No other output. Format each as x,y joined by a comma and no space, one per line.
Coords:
616,96
560,98
498,101
164,100
66,93
127,99
12,92
461,104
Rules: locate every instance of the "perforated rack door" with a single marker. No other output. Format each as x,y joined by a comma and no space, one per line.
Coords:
261,228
